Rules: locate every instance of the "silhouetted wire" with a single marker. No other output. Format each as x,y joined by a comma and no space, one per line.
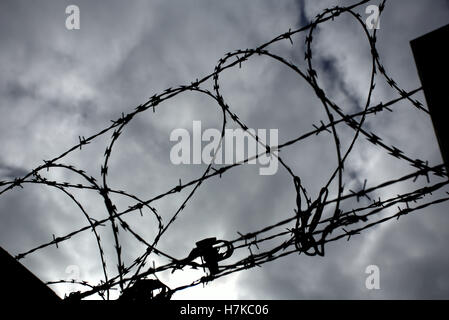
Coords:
311,229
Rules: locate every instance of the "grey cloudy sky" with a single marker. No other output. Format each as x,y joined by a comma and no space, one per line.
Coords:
56,85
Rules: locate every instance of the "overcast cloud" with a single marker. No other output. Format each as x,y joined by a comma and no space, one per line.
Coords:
56,85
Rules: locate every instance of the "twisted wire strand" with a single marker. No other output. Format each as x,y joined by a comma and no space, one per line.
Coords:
314,223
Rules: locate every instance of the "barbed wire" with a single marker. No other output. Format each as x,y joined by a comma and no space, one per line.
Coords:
313,224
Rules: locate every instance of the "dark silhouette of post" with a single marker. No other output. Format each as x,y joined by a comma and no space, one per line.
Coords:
431,52
19,284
